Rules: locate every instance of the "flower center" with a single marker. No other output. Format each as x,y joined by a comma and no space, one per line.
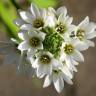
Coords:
34,41
80,34
68,49
61,28
56,71
37,23
45,59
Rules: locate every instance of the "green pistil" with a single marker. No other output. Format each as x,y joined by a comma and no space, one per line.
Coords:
80,34
34,41
37,23
61,28
45,59
68,49
52,43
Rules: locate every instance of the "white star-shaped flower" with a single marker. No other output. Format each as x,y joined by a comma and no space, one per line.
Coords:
70,53
84,32
33,19
44,63
32,41
58,78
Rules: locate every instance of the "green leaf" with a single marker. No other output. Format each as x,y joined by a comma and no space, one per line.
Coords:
45,3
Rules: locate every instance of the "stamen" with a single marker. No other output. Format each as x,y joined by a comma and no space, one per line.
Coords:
45,59
61,28
37,23
68,49
34,41
80,34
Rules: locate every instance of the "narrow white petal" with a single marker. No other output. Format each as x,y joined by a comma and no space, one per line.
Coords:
84,23
91,35
26,16
59,85
23,35
77,56
31,52
19,22
26,27
62,10
34,10
35,63
90,43
67,79
66,71
23,46
48,80
69,21
81,45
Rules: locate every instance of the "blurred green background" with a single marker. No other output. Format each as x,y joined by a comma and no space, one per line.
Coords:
15,85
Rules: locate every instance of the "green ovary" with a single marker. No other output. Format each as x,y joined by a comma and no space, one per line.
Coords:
52,43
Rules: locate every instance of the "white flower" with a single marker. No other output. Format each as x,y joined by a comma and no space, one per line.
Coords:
84,32
32,41
70,53
60,21
58,78
34,18
44,63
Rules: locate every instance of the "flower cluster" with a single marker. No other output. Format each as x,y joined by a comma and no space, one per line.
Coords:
51,45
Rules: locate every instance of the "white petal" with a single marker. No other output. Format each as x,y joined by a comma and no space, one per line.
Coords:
84,23
34,10
71,28
31,52
62,10
23,35
47,81
19,22
67,79
81,45
40,71
77,56
69,20
26,27
35,63
26,16
59,84
91,35
90,43
66,71
32,33
23,46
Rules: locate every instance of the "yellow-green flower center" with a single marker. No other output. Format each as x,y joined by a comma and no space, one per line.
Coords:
34,41
45,59
37,23
68,49
61,28
80,34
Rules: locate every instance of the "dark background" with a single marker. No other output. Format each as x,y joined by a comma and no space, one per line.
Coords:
12,84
